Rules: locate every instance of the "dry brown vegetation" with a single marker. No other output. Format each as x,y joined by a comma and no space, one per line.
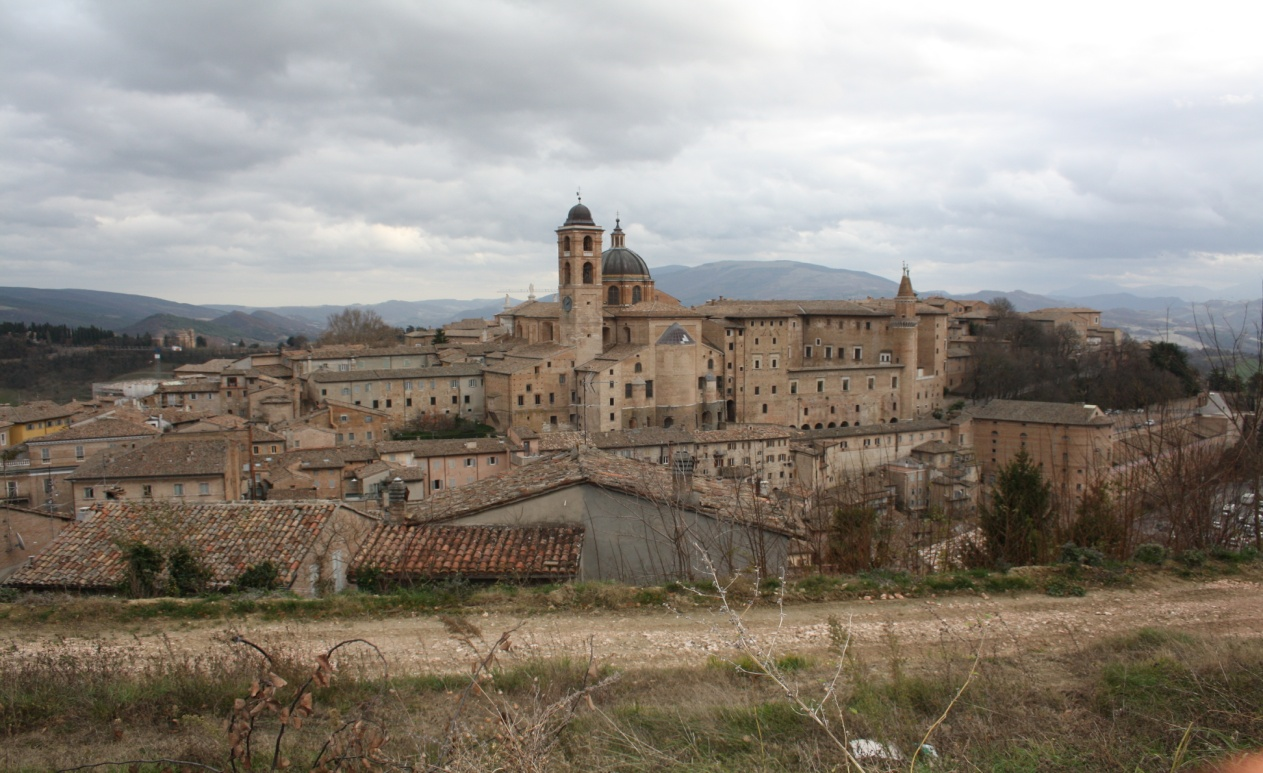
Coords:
1157,678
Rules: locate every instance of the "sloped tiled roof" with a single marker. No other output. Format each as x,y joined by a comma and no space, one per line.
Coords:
99,429
38,410
652,482
1041,413
344,455
449,371
448,447
159,459
477,552
229,538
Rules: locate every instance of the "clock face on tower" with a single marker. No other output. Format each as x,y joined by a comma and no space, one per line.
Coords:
567,303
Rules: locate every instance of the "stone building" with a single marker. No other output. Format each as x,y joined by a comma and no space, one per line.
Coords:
615,353
1072,443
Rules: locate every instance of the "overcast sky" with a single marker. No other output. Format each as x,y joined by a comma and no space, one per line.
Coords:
273,153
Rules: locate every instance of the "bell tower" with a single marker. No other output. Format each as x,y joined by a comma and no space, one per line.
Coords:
579,282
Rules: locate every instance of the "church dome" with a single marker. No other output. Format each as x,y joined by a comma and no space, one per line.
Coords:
579,215
622,262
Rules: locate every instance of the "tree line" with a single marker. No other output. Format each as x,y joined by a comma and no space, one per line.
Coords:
65,335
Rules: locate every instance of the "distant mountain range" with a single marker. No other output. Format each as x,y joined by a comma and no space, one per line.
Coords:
1143,312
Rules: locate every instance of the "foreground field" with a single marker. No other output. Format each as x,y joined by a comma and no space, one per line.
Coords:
1161,676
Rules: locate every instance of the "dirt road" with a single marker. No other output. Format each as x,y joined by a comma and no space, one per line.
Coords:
664,637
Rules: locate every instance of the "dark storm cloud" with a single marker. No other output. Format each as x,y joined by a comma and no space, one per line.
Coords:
294,152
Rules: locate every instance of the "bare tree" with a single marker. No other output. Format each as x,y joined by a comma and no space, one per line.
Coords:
358,326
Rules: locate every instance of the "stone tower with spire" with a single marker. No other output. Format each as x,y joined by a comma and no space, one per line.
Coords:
904,331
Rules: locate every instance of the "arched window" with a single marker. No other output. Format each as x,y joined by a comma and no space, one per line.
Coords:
565,245
565,270
587,273
710,364
806,426
668,422
587,244
613,299
639,367
626,334
636,294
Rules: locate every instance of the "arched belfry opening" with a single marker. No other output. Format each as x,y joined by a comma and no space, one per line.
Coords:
587,273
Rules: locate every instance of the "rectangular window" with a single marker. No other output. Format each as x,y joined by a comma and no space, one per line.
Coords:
627,389
649,389
469,462
79,453
145,491
492,460
89,492
846,385
828,352
203,489
561,379
765,407
758,363
793,387
178,489
884,358
894,382
872,382
820,385
473,382
537,400
455,383
45,454
807,354
368,419
857,353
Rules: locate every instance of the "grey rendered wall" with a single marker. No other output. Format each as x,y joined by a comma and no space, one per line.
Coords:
641,542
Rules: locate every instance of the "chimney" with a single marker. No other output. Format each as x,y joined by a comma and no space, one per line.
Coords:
397,499
682,478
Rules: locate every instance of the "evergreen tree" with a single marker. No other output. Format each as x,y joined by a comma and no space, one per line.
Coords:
1016,515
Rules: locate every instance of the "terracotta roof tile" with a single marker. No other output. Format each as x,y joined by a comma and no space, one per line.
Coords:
449,371
99,429
449,447
1040,413
599,468
416,551
161,458
229,538
38,410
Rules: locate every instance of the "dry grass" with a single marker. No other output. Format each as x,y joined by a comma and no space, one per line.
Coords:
1147,700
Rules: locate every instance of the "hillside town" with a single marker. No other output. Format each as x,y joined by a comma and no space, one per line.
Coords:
609,433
